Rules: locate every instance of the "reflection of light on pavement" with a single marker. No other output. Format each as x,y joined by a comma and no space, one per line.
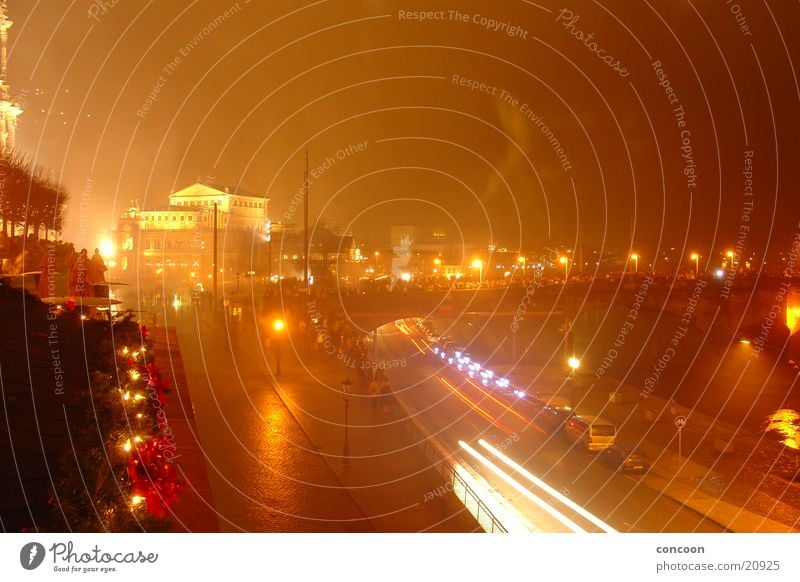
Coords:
549,509
514,412
511,519
786,422
538,482
421,351
476,407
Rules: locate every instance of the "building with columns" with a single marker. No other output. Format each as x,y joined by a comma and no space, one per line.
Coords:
175,243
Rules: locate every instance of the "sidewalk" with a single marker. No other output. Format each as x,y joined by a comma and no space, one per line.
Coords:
194,510
721,472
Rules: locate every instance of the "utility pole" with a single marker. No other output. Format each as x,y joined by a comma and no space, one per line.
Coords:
305,230
269,251
214,262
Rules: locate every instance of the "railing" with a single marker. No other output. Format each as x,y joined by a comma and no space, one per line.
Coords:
434,453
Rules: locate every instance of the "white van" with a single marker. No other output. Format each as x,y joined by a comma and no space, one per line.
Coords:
594,433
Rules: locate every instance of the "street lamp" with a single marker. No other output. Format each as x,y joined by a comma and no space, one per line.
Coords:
268,228
696,258
564,261
523,261
573,363
377,260
635,259
729,254
437,261
346,385
478,264
278,325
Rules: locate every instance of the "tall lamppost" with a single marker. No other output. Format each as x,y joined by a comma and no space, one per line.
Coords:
278,325
523,261
696,258
635,259
268,228
564,261
377,261
478,264
437,262
729,254
573,363
346,385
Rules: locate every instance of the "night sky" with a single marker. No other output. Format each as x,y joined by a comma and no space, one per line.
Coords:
508,122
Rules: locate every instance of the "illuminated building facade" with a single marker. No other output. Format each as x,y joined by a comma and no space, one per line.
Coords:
175,242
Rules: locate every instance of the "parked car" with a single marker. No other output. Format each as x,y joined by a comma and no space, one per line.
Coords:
594,433
626,459
547,418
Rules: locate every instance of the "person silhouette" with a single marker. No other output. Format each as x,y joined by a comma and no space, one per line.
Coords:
96,273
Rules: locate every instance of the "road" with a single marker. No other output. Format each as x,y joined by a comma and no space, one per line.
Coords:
454,409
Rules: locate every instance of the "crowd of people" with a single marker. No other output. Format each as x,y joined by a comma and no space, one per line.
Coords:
61,270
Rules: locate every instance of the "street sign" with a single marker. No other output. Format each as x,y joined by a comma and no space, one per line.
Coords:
680,422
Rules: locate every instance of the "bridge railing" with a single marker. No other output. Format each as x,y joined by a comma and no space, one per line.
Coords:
436,454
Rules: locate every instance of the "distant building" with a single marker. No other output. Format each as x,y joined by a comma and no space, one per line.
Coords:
176,241
332,250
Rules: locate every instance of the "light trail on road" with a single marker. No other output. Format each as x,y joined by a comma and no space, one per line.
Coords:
476,407
549,509
539,483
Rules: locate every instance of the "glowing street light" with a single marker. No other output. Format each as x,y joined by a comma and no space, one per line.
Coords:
438,262
729,254
278,326
574,363
635,259
478,264
564,261
523,261
106,248
696,258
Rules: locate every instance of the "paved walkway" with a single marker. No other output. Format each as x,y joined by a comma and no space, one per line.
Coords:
194,510
728,474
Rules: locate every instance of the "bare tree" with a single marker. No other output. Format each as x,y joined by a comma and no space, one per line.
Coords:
29,197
